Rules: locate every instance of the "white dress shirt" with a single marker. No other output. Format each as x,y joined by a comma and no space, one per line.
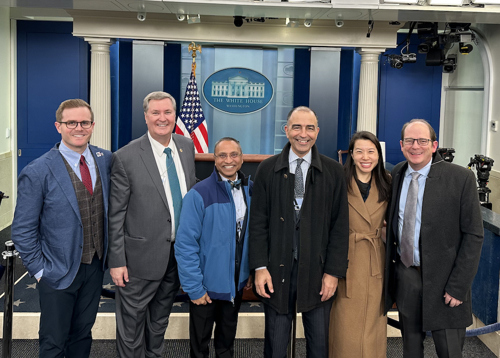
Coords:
239,201
292,165
161,163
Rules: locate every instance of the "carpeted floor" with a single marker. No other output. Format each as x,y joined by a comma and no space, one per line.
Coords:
247,348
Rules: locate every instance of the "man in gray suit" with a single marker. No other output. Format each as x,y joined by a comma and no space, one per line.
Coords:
149,178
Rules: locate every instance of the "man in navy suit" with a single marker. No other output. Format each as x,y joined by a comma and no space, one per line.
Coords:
60,229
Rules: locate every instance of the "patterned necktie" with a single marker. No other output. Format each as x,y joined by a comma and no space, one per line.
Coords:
299,180
235,184
85,173
175,188
410,216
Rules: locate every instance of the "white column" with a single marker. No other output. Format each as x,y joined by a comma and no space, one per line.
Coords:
100,91
368,89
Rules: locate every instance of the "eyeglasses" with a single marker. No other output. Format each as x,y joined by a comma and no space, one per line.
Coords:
420,141
74,124
223,156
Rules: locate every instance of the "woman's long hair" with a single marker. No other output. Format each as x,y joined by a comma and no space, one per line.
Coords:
379,174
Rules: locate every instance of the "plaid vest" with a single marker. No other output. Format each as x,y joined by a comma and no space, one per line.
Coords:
92,214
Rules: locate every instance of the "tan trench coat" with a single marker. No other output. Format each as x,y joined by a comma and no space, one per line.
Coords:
358,327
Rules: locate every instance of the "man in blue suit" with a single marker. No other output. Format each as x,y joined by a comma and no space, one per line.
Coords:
60,229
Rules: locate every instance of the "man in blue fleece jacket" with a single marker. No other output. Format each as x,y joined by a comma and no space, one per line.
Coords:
211,249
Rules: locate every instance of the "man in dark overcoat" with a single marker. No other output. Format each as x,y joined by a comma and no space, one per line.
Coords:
299,231
430,275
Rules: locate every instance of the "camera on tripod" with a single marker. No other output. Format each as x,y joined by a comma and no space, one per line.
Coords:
483,166
447,154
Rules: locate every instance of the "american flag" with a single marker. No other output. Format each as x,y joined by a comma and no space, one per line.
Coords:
191,122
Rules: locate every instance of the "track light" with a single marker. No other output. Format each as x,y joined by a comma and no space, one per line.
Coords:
141,15
193,19
238,21
291,22
308,22
181,17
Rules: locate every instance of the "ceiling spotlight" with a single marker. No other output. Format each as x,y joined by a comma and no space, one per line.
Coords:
308,22
238,21
291,22
193,19
181,17
339,20
141,15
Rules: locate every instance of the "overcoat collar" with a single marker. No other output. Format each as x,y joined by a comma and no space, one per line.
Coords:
282,161
364,208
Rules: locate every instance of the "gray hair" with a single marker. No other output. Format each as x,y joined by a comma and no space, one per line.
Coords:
157,96
300,109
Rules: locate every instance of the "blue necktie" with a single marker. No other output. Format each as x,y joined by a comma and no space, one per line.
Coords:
175,188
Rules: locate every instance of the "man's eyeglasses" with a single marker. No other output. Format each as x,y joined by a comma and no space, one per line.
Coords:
420,141
223,156
74,124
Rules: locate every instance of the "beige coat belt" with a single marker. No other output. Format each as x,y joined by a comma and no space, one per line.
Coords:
371,237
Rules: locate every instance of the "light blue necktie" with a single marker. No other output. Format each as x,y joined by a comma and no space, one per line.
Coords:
175,188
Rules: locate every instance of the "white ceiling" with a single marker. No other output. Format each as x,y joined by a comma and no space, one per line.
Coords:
345,9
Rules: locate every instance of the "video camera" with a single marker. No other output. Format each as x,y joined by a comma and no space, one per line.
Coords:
483,166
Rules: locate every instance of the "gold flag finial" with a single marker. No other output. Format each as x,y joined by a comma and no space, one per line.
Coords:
193,48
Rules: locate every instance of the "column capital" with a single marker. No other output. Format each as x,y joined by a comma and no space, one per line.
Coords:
370,50
99,40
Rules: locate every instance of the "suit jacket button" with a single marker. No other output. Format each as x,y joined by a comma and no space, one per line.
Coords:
394,261
286,176
394,243
281,218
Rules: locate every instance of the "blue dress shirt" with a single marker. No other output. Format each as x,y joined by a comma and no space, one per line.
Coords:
424,172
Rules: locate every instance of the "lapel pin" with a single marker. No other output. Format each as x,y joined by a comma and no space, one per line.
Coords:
99,154
180,150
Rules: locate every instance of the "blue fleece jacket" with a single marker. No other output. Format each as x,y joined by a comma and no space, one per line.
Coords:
205,244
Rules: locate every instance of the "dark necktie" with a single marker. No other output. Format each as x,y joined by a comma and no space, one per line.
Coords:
85,174
175,188
235,184
299,180
410,216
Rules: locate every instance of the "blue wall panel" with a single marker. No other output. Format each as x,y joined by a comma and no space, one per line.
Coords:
121,93
52,66
301,77
485,286
411,92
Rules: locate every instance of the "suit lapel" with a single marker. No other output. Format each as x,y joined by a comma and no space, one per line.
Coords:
149,161
58,169
184,160
432,188
100,161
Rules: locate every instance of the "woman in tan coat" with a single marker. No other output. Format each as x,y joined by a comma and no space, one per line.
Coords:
358,327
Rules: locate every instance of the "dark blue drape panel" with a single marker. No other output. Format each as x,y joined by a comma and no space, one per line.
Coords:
172,72
121,93
345,98
52,66
411,92
301,77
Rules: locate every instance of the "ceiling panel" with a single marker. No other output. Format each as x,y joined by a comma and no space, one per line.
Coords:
150,5
249,9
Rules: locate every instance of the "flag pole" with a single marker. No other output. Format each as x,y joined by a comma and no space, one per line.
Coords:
193,47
